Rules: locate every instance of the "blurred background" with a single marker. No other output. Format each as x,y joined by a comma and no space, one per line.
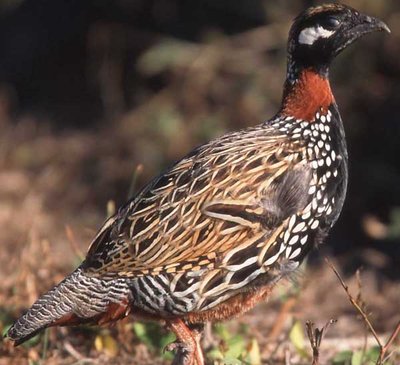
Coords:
97,96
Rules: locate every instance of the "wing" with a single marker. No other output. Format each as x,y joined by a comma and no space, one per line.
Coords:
231,194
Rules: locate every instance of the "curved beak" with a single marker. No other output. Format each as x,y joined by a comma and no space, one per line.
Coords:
361,25
367,24
382,26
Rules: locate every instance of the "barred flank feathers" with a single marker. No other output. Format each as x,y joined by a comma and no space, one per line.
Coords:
77,299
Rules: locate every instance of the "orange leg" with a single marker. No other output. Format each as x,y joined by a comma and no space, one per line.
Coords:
187,345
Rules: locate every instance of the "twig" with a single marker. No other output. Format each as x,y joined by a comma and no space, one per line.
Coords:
136,173
279,343
110,208
355,304
383,349
73,243
288,360
360,298
76,354
45,344
362,303
315,336
280,320
389,343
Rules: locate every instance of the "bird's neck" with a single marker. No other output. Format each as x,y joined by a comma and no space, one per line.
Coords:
307,94
302,59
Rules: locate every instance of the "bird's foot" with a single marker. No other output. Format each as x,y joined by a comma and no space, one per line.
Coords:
177,346
187,347
183,353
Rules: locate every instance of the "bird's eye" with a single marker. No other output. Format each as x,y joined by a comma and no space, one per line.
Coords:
330,23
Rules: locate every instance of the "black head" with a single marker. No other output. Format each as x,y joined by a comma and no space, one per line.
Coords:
320,33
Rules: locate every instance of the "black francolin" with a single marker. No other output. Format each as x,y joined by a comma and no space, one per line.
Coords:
211,236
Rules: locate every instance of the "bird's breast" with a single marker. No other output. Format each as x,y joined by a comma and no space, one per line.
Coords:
308,94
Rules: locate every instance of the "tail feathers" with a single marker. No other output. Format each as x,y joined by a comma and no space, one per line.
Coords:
77,299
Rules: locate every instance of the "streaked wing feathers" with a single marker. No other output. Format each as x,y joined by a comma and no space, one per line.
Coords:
226,194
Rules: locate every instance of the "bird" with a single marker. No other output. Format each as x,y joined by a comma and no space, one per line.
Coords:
212,235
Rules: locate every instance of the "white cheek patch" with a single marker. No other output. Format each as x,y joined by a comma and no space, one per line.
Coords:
310,35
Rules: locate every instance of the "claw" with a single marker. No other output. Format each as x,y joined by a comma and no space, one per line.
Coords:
183,353
177,346
187,346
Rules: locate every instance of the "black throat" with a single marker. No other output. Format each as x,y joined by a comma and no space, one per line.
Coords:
302,57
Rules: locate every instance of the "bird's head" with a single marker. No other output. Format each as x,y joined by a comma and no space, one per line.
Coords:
320,33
